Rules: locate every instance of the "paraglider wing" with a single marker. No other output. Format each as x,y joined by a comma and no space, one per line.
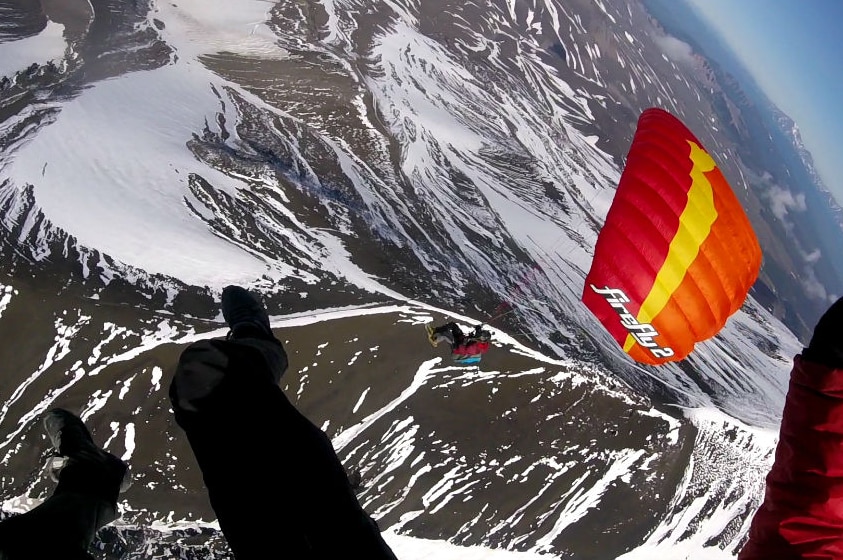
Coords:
677,254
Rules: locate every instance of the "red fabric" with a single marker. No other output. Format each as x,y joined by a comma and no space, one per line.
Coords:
802,513
471,348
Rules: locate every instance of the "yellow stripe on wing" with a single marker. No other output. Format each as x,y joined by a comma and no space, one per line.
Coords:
694,227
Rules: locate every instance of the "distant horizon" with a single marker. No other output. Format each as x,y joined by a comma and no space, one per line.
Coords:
792,49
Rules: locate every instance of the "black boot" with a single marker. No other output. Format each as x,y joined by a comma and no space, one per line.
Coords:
68,433
245,315
84,466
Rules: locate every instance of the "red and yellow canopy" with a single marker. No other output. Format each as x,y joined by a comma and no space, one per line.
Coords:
677,254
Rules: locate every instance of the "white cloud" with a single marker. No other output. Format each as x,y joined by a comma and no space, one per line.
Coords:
813,287
782,202
813,256
676,50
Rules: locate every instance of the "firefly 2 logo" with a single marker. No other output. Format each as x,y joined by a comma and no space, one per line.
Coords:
643,333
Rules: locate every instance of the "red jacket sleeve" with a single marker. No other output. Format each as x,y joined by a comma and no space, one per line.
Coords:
802,513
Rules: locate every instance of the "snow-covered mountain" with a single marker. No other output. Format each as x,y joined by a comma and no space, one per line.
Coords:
367,166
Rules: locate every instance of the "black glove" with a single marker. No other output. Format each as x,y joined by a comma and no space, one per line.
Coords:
826,345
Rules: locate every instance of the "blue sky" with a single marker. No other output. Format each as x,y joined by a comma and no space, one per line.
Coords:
794,48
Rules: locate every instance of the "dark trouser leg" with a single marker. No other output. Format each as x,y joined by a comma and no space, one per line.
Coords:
273,478
451,333
458,335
